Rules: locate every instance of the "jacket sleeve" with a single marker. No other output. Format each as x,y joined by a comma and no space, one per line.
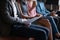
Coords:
38,10
7,18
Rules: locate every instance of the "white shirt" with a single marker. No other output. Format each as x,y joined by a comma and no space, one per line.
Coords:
14,9
59,3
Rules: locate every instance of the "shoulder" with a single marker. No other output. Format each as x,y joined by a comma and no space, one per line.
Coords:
4,3
5,6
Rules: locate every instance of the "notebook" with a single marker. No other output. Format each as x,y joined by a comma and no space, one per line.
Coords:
33,19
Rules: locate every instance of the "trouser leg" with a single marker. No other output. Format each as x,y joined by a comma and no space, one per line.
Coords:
33,31
58,23
56,19
53,24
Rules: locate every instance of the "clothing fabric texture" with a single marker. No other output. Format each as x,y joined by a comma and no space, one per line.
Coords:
42,10
31,31
32,13
7,15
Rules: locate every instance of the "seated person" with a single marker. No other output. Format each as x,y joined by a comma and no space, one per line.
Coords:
9,16
40,8
30,11
43,10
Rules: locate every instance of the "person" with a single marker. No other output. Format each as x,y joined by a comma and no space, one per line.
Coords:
8,10
40,8
29,7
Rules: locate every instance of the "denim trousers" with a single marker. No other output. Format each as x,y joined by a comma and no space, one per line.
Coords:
53,24
36,31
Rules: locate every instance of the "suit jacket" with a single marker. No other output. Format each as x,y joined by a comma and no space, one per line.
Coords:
7,17
41,9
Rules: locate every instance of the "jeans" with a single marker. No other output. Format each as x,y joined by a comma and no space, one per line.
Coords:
36,31
53,24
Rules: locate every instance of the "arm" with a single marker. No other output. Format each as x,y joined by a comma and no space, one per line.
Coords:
50,13
21,13
53,13
46,11
38,9
5,14
34,5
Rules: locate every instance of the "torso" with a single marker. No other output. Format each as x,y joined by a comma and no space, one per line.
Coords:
27,5
33,11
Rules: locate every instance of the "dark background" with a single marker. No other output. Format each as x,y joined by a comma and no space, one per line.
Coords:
55,2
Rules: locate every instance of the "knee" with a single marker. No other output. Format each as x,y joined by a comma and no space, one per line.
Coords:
47,31
50,18
47,20
45,34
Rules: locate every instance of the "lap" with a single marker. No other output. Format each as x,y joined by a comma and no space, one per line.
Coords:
32,26
32,30
54,19
43,22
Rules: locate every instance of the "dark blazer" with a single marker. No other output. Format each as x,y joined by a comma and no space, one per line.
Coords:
7,17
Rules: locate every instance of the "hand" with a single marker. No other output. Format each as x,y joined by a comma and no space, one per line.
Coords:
53,13
27,17
38,15
56,15
27,23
